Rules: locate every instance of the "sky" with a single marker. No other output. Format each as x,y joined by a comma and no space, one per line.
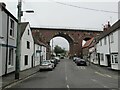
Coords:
71,14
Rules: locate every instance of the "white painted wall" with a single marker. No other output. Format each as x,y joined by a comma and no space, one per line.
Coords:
0,43
118,10
43,52
114,48
93,55
37,55
11,41
0,60
114,45
119,49
24,50
104,49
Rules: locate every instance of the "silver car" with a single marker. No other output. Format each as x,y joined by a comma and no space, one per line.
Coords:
46,65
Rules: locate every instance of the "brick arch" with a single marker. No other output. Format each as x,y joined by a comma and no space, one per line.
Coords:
66,36
74,38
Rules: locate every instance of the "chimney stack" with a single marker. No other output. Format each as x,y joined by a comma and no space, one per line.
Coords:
107,26
2,4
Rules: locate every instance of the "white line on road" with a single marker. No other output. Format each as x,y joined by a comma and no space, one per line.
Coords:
82,67
108,75
105,75
94,80
100,74
68,86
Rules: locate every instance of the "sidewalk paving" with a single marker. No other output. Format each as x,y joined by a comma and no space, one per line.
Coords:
10,78
104,69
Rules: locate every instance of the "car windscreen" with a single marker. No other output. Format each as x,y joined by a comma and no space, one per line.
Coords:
45,62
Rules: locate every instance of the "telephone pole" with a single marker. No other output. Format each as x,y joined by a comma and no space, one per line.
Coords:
18,54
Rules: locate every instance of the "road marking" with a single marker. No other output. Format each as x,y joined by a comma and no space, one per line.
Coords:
68,86
99,83
78,67
105,75
94,80
82,67
108,75
100,74
105,87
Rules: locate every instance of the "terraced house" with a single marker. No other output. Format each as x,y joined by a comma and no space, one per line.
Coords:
108,47
27,47
8,35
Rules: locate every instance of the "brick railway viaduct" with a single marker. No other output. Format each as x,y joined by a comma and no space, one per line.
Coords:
73,36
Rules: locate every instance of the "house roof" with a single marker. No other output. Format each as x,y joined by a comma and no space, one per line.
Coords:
3,8
23,26
88,43
113,28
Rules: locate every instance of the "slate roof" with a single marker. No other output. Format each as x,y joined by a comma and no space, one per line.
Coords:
113,28
88,43
23,26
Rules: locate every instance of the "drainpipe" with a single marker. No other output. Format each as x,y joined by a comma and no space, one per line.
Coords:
109,46
6,64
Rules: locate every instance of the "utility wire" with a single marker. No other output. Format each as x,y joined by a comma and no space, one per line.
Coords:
85,7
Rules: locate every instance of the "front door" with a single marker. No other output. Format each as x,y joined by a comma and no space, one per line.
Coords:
32,63
108,60
98,58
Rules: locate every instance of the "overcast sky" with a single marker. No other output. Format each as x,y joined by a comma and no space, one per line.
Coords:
48,13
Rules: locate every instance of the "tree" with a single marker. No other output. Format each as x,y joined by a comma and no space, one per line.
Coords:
59,50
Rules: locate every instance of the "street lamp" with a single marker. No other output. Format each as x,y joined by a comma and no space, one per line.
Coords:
18,52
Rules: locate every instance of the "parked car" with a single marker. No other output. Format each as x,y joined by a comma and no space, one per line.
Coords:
57,58
54,62
75,59
81,62
46,65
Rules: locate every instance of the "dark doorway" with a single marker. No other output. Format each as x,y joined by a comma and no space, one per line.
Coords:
32,63
98,54
108,60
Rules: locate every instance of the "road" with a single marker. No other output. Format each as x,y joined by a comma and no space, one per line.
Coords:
68,75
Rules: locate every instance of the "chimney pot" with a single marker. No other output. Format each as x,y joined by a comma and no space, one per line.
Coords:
3,5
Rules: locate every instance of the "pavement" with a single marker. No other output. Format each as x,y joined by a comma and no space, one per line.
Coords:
67,75
10,78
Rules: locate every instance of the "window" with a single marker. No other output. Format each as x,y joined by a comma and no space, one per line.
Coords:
100,42
11,56
28,32
112,59
115,58
111,38
102,57
11,28
28,45
105,41
26,59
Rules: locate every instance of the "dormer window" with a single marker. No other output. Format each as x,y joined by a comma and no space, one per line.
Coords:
11,28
